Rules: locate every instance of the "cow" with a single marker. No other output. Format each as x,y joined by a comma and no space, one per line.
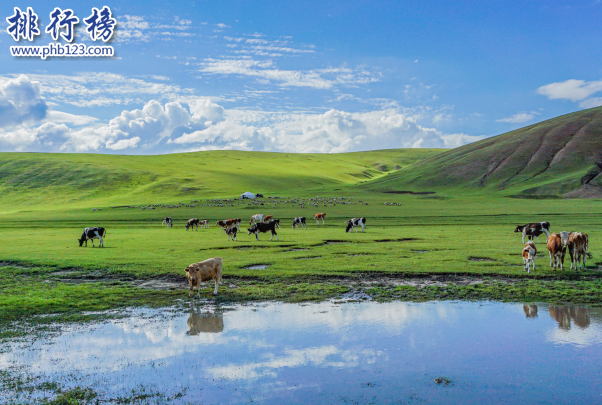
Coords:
529,252
92,233
255,219
231,232
167,222
355,223
557,251
204,223
322,216
192,223
299,221
210,269
533,230
578,245
261,227
226,223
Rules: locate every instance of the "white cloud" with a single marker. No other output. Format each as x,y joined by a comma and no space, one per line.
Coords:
20,102
518,118
94,89
591,102
62,117
572,89
264,69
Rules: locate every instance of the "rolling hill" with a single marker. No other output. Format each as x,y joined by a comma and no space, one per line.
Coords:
83,180
560,157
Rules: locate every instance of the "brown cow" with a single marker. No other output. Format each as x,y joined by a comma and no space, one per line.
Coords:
210,269
267,218
557,251
529,253
204,223
227,223
578,245
322,216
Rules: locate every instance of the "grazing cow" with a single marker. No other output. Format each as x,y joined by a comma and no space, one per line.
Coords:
92,233
261,227
557,251
167,222
204,223
192,223
299,221
529,252
256,218
355,223
322,216
210,269
533,230
267,218
578,245
231,232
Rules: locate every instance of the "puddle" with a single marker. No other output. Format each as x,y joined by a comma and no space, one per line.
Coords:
396,240
257,267
330,352
481,259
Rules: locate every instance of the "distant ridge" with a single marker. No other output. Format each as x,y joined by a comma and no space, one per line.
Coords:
560,157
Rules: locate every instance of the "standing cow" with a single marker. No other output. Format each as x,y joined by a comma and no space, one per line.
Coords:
261,227
533,230
92,233
557,251
210,269
167,222
529,252
578,245
320,216
299,221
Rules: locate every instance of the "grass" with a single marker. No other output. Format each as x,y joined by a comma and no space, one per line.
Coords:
447,235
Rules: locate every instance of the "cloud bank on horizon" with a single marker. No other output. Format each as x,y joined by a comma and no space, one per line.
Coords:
208,82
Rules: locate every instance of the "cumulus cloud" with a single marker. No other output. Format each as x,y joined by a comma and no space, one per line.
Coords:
20,102
591,102
572,89
518,118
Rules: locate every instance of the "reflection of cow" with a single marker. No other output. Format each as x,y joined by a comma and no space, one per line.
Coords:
565,313
530,310
205,323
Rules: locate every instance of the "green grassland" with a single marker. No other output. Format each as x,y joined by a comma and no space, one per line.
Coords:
437,246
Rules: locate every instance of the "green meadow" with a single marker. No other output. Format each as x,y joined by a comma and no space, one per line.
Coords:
441,245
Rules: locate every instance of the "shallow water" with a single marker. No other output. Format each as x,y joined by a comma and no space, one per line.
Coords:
331,353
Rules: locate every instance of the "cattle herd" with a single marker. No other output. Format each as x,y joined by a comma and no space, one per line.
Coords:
577,243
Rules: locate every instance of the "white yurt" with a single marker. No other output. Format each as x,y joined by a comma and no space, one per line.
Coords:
248,195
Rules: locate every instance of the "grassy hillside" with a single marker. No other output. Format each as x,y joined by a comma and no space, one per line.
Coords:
37,180
557,157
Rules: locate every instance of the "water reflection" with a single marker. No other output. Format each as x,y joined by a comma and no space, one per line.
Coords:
205,323
566,313
530,310
330,353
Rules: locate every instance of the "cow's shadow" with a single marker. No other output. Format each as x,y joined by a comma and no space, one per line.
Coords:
205,323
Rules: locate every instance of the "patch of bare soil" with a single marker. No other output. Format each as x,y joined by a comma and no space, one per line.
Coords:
586,191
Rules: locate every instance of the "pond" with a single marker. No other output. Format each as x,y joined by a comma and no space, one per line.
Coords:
327,353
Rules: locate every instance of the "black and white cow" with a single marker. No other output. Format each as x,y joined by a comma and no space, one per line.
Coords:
92,233
231,232
533,230
261,227
192,223
167,222
355,223
299,221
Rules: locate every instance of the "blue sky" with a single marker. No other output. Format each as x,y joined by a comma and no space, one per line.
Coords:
301,76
